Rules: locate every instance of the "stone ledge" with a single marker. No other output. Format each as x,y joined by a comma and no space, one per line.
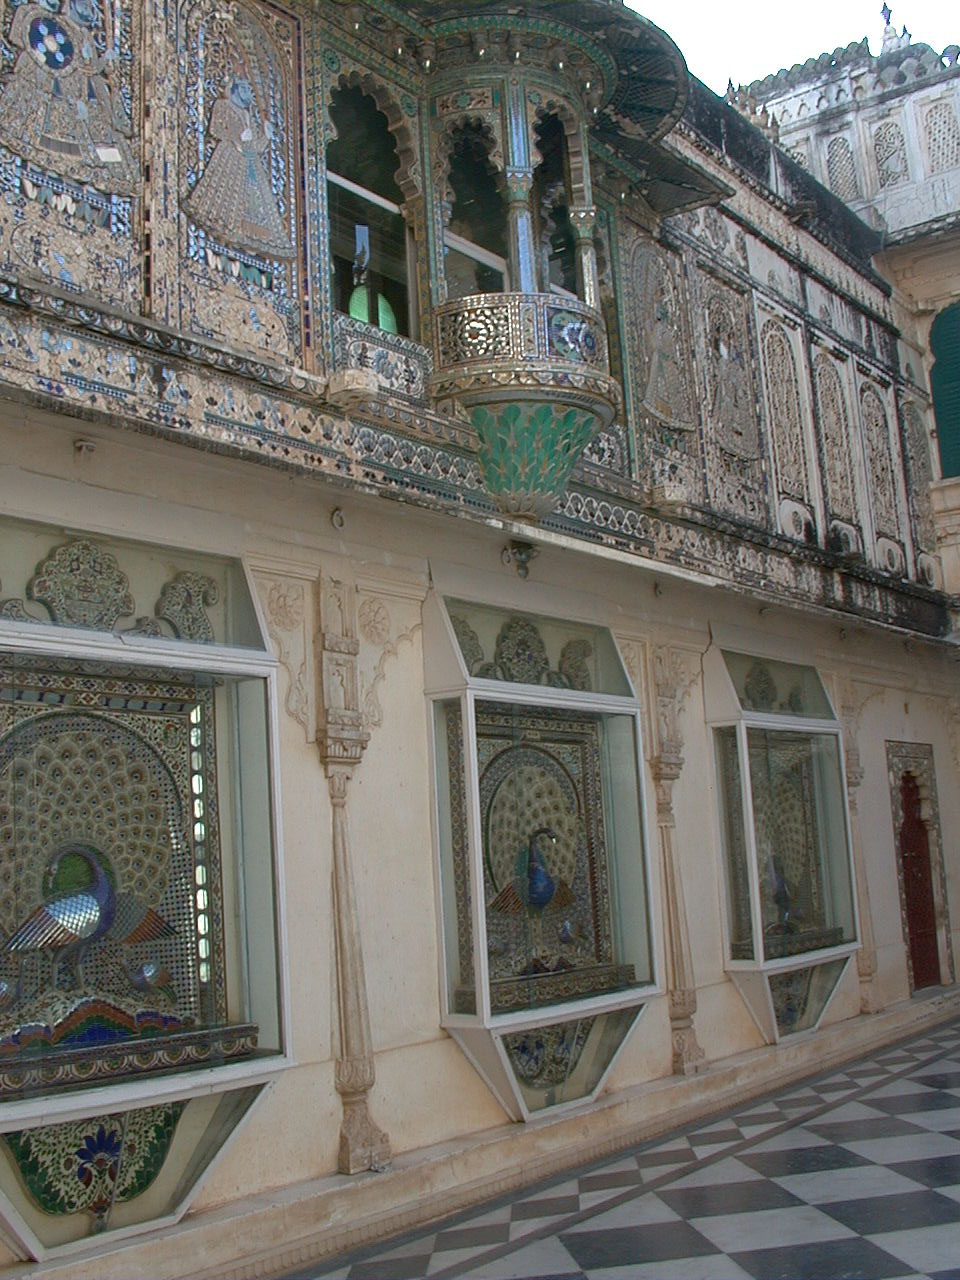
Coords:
294,1226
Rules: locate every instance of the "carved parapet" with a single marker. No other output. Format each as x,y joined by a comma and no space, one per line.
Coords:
532,371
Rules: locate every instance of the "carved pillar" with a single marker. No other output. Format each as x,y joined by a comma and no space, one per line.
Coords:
588,276
850,712
414,215
520,239
341,741
673,677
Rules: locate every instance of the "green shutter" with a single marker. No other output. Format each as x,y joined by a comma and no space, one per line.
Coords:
945,386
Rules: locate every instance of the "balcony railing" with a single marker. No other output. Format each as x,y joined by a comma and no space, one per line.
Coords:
509,341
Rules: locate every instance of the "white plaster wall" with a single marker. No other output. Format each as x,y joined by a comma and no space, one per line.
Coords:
144,488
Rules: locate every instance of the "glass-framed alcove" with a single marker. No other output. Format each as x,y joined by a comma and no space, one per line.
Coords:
546,940
790,909
141,1005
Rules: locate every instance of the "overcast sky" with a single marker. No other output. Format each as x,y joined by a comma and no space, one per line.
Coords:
747,40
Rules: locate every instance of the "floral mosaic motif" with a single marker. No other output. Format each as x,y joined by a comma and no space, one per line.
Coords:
82,586
520,656
608,449
469,643
890,151
572,336
474,333
402,366
790,993
88,1166
528,450
182,603
920,475
63,104
544,1057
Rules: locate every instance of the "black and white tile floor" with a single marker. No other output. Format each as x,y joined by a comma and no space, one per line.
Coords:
854,1174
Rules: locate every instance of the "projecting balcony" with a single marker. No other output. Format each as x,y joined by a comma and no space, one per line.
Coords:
532,371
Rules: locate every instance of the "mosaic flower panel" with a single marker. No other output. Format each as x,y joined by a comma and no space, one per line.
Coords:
110,878
88,1166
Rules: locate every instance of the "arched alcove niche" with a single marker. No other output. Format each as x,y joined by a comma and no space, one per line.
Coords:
371,178
473,203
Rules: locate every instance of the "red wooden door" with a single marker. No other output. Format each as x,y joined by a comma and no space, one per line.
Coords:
918,888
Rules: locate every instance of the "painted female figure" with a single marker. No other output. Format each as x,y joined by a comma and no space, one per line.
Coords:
234,199
58,108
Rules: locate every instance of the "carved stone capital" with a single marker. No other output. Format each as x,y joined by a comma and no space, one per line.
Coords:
674,675
582,221
354,1075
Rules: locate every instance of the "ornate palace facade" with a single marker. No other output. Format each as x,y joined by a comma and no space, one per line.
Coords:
476,679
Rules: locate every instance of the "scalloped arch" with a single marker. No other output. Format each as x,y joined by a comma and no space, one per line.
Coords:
492,140
409,176
576,153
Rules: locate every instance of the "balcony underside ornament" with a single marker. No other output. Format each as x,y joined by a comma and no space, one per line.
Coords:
531,372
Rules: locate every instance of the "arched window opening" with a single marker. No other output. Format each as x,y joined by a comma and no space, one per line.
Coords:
551,204
475,239
368,236
945,386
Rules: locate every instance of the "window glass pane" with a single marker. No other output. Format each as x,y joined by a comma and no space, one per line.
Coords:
81,1178
806,898
526,648
134,816
800,995
564,1061
466,275
564,891
734,845
454,857
368,248
777,688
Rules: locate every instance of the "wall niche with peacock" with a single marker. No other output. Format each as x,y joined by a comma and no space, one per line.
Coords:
542,866
135,813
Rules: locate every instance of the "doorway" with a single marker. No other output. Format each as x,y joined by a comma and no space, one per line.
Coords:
920,909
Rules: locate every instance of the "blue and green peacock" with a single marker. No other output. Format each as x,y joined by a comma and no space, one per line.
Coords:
533,889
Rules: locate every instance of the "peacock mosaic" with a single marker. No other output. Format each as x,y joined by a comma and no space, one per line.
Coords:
110,876
545,859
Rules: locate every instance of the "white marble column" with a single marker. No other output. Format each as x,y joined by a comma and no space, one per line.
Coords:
674,674
852,704
341,741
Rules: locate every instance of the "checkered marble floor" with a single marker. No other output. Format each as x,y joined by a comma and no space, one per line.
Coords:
853,1174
